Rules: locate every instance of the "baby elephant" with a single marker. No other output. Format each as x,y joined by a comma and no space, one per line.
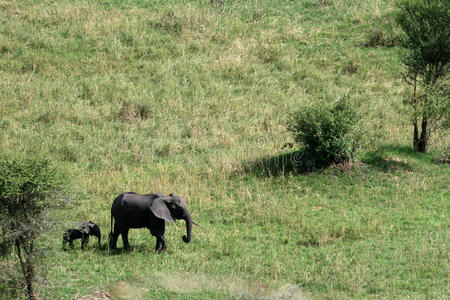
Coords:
83,231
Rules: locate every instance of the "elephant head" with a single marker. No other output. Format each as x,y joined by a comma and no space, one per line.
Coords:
91,228
172,208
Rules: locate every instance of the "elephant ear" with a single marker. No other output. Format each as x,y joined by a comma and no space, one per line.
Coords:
160,209
87,228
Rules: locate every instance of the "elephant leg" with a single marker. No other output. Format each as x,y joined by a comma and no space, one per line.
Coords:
84,241
65,240
158,244
162,244
158,231
124,233
114,237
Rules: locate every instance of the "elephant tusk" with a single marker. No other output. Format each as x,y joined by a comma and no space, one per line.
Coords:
196,224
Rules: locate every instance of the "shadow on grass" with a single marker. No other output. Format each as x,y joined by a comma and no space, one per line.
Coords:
380,163
140,248
293,162
386,158
117,251
395,158
103,249
408,152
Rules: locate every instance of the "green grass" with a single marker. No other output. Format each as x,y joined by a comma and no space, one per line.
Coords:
192,98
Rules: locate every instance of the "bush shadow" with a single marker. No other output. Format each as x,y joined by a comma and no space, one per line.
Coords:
386,159
287,163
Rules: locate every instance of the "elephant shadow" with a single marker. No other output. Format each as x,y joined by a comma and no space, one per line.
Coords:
94,248
105,251
138,248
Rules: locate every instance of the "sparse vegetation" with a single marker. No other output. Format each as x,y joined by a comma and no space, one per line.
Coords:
181,96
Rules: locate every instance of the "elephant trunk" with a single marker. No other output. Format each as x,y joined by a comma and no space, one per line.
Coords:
188,219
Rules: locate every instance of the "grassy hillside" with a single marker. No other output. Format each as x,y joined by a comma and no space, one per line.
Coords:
192,97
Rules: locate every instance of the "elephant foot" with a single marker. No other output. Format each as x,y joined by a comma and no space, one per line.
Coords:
161,244
162,250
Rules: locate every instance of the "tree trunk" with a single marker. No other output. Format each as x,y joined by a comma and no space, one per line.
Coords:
423,141
27,268
416,135
29,279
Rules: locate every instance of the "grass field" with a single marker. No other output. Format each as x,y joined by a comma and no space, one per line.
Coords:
192,97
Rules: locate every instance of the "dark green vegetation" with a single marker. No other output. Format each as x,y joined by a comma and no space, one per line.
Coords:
192,98
326,133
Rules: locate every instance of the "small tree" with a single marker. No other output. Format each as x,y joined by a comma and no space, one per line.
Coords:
426,27
28,189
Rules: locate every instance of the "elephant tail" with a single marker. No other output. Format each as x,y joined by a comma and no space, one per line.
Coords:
112,220
110,237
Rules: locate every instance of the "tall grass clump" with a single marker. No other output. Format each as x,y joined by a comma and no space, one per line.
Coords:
326,132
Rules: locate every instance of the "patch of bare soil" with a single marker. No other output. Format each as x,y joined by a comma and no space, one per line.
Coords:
185,284
99,295
291,292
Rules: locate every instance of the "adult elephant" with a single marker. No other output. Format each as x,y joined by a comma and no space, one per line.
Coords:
132,210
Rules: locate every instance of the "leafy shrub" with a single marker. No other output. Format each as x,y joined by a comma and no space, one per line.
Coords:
326,132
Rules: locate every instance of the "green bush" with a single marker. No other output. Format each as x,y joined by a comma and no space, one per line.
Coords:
326,132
